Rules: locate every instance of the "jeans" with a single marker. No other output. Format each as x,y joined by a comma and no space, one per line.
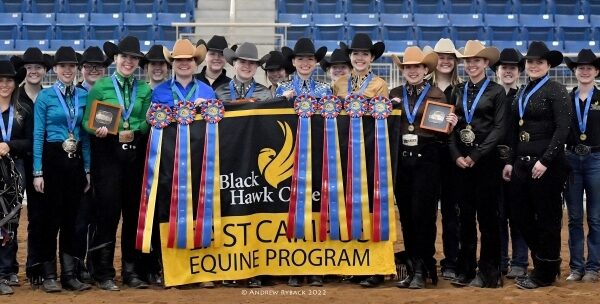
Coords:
585,177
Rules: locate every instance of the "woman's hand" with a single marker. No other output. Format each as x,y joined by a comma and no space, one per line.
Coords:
289,94
538,170
4,149
38,184
507,172
88,185
101,132
452,119
198,102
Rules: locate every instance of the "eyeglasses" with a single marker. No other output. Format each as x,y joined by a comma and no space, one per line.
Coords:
92,67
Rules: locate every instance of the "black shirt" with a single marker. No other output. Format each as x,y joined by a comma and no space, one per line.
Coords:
489,119
218,82
592,129
24,98
547,119
22,130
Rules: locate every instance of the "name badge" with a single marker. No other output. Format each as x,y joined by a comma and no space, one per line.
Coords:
410,140
126,136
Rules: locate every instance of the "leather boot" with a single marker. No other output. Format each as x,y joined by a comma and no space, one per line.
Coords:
83,275
405,283
50,284
418,281
131,278
68,277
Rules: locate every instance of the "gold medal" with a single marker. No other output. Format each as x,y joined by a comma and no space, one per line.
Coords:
126,124
583,137
521,122
411,128
468,127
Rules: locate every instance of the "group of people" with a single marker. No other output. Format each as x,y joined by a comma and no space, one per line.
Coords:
506,159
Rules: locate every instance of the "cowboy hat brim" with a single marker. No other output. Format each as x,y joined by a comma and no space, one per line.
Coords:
319,54
430,61
573,63
46,62
492,54
111,49
520,64
198,56
231,56
554,58
18,77
376,50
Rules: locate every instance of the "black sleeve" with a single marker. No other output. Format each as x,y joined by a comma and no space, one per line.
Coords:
498,131
452,144
563,111
20,146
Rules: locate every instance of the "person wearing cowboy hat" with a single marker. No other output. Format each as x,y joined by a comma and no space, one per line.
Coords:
277,69
481,108
445,77
61,164
93,66
417,199
36,64
508,68
156,66
245,62
584,163
540,118
17,126
304,59
362,80
118,162
337,66
213,74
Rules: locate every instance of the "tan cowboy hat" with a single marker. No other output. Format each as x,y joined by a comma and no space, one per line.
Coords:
445,46
414,55
474,48
184,48
427,49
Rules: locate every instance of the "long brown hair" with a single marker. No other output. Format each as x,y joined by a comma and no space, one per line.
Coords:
454,80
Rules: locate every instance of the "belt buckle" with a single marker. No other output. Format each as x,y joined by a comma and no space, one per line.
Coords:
406,153
582,150
524,136
71,155
526,158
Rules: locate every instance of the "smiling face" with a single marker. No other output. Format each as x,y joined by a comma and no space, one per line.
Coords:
475,67
7,86
92,72
536,68
126,64
244,69
508,74
586,73
414,73
276,76
35,73
157,71
65,72
304,65
446,63
215,61
184,67
361,61
336,71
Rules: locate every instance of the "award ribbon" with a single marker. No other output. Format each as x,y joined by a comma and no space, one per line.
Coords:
333,206
383,194
581,118
126,111
523,104
209,198
470,112
71,116
233,92
411,115
300,210
159,118
181,220
6,133
357,197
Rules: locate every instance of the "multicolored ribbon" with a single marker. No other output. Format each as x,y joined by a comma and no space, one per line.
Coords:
180,218
383,194
300,210
357,197
332,186
209,200
159,118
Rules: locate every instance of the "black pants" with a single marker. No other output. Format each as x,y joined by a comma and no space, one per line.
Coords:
478,191
537,212
117,172
35,216
8,252
64,181
417,190
449,210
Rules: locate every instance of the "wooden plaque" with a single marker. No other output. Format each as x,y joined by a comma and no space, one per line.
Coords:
104,114
434,116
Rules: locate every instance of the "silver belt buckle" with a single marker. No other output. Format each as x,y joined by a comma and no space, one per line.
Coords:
526,158
582,150
71,155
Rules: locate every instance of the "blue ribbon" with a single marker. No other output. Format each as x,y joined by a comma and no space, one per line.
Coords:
211,145
11,115
183,131
581,120
304,124
469,113
126,112
411,115
71,116
363,87
381,136
233,92
155,135
523,105
332,161
296,82
194,90
355,128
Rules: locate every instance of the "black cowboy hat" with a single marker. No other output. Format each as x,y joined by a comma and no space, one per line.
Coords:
362,42
66,54
510,56
304,46
339,56
7,69
128,46
277,61
94,54
32,55
539,50
155,54
201,41
216,43
585,56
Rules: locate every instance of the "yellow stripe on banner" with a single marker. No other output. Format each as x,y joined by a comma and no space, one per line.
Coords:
148,223
308,191
390,189
364,198
189,218
395,112
254,112
217,194
340,190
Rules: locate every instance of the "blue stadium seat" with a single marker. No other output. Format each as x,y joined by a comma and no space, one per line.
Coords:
105,32
37,32
169,32
374,31
39,19
330,44
460,35
106,19
531,7
591,8
78,6
13,19
46,6
496,6
111,6
71,32
363,19
142,32
571,21
329,27
566,7
503,44
145,45
396,19
501,20
7,45
431,20
595,21
539,33
22,45
15,6
396,6
362,6
295,19
98,43
8,31
398,46
178,6
504,33
328,19
466,19
575,33
574,46
328,6
430,34
398,33
293,6
168,43
296,32
165,19
139,19
72,19
428,7
544,20
462,7
77,45
144,6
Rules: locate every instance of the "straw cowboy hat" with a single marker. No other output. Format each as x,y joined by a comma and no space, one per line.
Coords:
414,55
246,51
585,56
474,48
539,50
183,49
446,46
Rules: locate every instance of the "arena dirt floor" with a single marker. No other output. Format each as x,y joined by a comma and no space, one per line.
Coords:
332,292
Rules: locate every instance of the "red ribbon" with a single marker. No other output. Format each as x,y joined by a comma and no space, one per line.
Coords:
174,199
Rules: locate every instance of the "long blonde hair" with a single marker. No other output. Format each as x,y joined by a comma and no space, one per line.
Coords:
454,80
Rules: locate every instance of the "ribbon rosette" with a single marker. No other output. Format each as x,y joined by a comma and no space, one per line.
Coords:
184,112
208,215
330,106
380,107
356,105
305,105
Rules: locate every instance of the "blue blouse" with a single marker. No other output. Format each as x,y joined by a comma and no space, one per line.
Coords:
163,94
310,87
